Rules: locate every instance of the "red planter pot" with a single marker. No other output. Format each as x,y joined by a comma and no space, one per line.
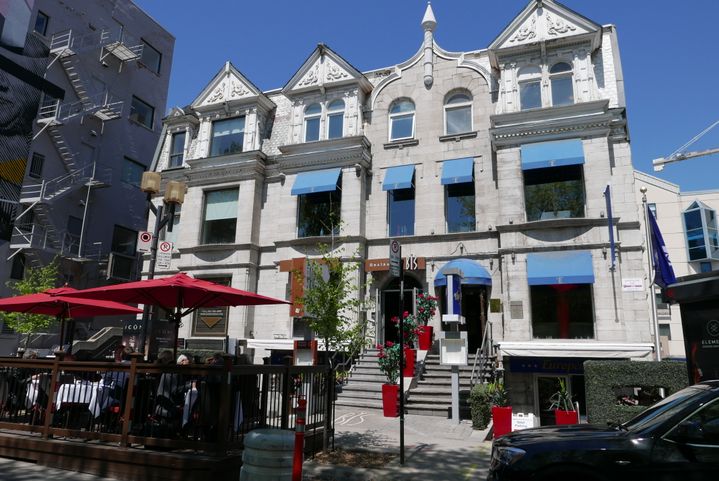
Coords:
501,420
410,357
566,417
390,400
424,338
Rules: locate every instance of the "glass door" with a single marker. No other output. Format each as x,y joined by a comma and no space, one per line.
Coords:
545,387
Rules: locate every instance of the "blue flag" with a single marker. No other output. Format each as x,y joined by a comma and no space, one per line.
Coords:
663,271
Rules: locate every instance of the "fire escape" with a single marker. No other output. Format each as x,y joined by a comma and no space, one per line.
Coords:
35,232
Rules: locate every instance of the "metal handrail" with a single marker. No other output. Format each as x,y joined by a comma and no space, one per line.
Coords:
483,353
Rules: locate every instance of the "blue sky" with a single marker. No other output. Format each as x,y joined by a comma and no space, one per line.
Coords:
668,49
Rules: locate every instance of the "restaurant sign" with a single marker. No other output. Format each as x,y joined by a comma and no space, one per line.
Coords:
411,263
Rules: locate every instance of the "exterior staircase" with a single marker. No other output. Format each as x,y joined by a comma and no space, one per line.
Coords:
58,140
364,388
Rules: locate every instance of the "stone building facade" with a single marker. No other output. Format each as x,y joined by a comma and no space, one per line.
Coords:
494,161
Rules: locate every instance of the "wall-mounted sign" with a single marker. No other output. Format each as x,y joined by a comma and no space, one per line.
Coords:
211,321
164,254
411,263
630,285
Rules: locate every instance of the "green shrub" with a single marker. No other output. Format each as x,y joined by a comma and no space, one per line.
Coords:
603,378
480,406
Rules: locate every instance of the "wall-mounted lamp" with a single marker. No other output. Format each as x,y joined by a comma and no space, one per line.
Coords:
511,221
513,255
491,264
358,169
489,227
604,251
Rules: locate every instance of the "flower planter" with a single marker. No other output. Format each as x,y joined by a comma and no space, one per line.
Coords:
501,420
424,337
390,400
410,356
566,417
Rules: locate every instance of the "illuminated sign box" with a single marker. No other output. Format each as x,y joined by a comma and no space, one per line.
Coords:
453,348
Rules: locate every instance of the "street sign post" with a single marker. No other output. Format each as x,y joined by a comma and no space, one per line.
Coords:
144,241
396,270
395,258
164,254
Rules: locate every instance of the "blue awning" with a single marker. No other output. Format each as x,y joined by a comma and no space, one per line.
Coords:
458,171
566,267
399,177
472,273
316,181
552,154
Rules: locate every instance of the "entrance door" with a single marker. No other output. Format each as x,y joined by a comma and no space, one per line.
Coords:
391,307
544,387
474,310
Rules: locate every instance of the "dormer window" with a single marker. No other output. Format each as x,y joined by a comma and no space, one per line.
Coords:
177,149
313,114
560,76
335,119
530,87
228,136
401,120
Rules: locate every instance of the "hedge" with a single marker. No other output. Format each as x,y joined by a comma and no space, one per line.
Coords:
602,377
479,404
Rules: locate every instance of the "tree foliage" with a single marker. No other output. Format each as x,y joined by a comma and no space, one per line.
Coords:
36,280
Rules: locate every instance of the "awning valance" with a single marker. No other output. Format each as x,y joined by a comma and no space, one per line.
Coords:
457,171
565,267
472,273
316,181
577,348
552,154
399,177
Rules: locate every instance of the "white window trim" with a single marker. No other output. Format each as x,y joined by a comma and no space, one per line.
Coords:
306,117
337,112
459,106
559,75
401,114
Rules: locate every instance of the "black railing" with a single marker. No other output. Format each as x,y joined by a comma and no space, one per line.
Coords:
204,408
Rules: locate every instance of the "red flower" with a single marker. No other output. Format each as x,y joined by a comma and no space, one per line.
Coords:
390,343
405,314
421,309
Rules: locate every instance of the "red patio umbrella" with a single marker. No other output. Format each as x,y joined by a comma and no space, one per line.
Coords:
179,295
54,302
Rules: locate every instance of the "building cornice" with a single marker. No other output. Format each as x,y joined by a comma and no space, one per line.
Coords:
224,168
555,224
343,152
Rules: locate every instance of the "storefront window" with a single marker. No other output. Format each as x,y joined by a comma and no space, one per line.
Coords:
562,311
554,192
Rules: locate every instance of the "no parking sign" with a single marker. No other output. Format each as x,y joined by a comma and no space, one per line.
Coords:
144,241
164,254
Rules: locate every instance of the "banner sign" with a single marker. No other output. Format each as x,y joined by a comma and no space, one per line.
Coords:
411,263
562,365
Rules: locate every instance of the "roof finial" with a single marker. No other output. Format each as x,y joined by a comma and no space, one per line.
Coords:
429,22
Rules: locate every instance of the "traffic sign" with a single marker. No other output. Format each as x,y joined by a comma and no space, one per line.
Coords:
395,258
144,241
164,254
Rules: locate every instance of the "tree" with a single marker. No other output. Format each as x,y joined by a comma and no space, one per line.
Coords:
36,280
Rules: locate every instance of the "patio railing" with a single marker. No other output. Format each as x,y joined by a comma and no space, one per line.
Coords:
206,409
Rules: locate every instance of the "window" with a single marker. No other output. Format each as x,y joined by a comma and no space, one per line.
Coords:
41,22
562,311
313,114
460,207
220,221
401,120
132,172
705,267
530,87
554,192
701,429
458,114
36,164
177,149
151,57
17,270
142,112
172,236
401,212
319,213
700,227
335,119
560,76
665,330
74,231
124,241
228,136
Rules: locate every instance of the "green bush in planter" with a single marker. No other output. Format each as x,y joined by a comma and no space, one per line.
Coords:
480,406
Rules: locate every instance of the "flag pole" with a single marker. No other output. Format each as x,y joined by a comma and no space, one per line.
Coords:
650,278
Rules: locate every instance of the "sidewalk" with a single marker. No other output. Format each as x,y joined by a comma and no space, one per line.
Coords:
435,448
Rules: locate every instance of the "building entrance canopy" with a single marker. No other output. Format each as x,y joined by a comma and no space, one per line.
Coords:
472,273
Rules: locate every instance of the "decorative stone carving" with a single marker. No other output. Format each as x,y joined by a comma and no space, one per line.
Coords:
557,25
218,94
526,31
334,72
238,90
311,78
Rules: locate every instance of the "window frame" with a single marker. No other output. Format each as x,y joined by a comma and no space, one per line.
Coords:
338,113
36,159
390,200
135,117
147,44
306,118
446,205
591,311
203,227
458,106
561,75
132,235
174,154
47,22
128,161
212,136
532,74
334,209
393,116
557,171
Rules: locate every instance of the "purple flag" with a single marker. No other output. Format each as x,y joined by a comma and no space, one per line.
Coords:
663,271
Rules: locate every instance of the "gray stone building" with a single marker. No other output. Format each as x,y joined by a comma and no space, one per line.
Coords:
494,161
79,197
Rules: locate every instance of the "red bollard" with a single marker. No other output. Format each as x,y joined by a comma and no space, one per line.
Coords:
300,412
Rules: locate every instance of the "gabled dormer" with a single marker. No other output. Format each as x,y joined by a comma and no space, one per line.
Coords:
545,58
181,127
233,113
327,95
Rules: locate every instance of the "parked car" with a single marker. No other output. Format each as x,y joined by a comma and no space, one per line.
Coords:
675,439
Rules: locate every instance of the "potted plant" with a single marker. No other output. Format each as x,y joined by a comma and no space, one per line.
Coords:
389,366
561,403
501,410
426,309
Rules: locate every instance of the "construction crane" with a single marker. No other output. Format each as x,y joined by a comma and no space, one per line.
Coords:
680,153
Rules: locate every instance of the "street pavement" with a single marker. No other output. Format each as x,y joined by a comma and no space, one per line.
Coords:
14,470
436,449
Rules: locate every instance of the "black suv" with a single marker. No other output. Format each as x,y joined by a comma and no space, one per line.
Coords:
675,439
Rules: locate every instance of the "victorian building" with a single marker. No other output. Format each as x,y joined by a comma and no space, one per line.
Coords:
492,161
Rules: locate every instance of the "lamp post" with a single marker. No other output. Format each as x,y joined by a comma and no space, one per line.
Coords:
174,196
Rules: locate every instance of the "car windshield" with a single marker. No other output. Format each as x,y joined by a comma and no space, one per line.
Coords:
665,408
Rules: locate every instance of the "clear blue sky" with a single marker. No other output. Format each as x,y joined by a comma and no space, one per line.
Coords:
669,54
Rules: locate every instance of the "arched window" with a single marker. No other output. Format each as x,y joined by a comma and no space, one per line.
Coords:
530,87
561,79
458,114
335,119
401,120
313,113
